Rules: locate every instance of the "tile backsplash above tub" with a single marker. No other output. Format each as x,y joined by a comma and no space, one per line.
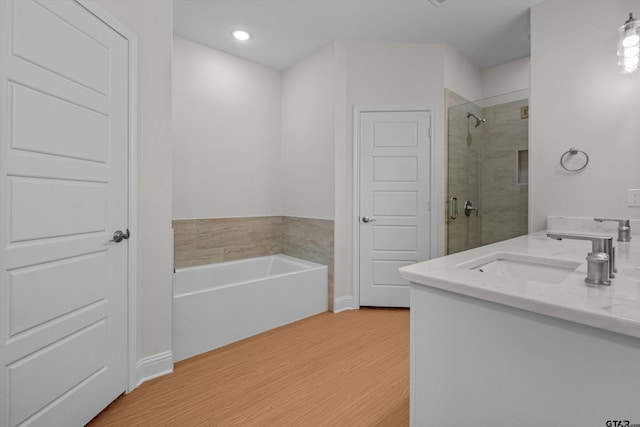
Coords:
211,240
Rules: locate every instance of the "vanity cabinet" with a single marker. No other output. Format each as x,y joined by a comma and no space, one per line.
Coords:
495,350
478,363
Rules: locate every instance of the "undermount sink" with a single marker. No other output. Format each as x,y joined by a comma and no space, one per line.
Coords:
520,266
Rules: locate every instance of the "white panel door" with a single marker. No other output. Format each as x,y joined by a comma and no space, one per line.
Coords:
394,202
63,193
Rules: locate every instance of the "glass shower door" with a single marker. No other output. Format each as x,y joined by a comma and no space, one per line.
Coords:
464,152
487,149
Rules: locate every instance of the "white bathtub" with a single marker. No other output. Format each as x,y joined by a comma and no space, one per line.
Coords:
217,304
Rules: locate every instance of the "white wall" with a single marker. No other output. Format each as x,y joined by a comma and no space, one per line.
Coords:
315,159
152,22
308,122
506,78
381,74
461,76
226,120
579,98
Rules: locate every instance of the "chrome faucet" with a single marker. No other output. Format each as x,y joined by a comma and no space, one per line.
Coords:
624,228
600,268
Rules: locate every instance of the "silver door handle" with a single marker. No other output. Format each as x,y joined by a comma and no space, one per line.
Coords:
119,236
468,207
368,219
453,212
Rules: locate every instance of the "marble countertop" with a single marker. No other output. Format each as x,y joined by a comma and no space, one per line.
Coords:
614,308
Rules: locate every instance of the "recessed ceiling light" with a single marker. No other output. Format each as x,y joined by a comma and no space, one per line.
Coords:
241,35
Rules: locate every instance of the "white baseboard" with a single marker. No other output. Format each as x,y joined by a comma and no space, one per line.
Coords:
154,366
342,304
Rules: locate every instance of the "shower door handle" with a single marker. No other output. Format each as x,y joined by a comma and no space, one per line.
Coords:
453,213
468,207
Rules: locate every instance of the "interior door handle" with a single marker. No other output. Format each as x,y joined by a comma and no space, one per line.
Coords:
366,219
119,236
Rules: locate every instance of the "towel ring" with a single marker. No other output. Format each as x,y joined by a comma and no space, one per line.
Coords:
568,155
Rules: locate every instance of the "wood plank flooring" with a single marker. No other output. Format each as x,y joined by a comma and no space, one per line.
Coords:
345,369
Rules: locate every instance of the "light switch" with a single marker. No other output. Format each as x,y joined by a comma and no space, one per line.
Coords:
634,197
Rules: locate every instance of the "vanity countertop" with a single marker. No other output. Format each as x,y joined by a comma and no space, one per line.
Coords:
614,308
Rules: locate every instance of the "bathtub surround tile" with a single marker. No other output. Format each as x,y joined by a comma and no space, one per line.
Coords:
310,239
212,240
199,257
255,237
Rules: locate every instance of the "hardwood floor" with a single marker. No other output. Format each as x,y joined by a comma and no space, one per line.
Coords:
345,369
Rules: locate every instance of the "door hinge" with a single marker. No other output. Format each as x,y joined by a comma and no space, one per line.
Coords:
430,136
429,205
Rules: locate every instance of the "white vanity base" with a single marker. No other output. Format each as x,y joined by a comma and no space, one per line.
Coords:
478,363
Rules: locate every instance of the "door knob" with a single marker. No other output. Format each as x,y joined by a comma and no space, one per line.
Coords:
368,219
119,236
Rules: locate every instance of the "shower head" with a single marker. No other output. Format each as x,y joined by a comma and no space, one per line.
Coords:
479,121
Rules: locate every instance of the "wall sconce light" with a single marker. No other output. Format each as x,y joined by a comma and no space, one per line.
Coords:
629,45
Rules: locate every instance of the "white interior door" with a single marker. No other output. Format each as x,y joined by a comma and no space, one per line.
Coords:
394,220
63,193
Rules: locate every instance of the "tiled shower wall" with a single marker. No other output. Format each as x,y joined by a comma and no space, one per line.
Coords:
483,168
211,240
505,202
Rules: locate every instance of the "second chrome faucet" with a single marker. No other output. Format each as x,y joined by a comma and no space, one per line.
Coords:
624,228
600,261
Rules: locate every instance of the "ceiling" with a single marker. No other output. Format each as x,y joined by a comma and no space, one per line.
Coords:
486,32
